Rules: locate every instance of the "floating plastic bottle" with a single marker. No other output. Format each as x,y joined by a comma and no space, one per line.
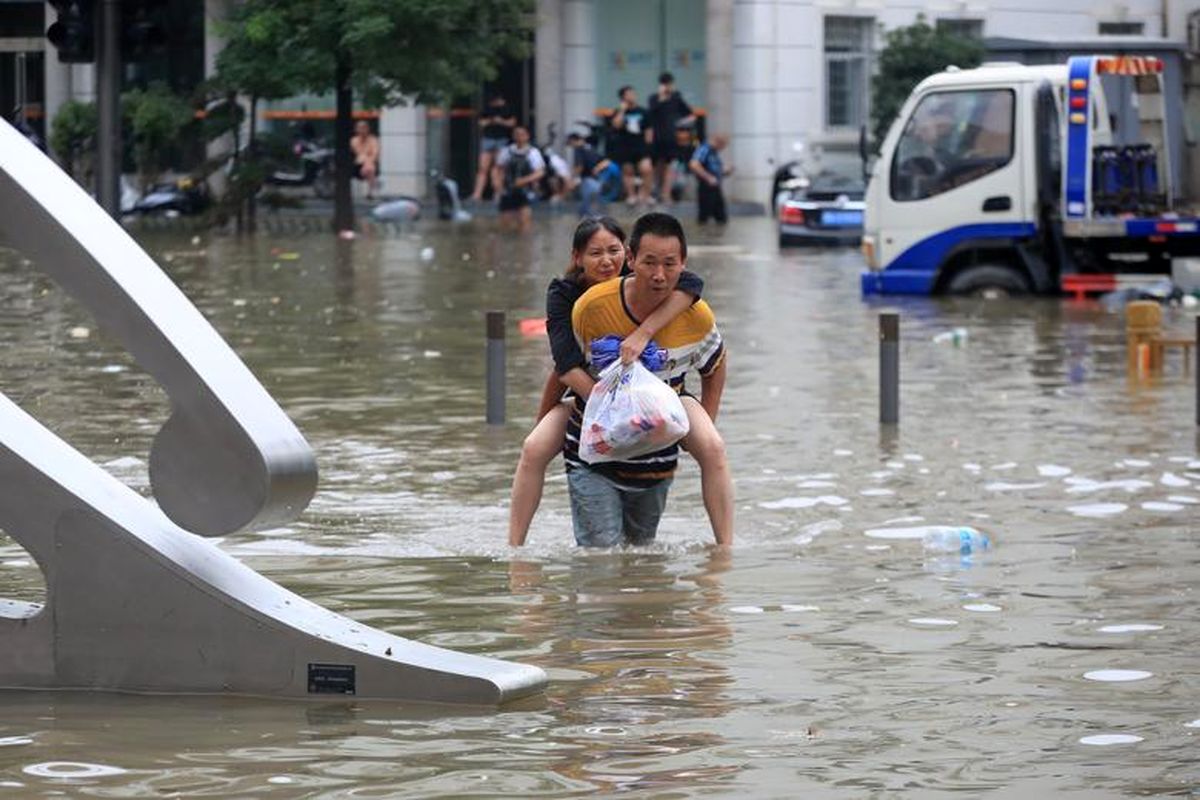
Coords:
955,337
950,539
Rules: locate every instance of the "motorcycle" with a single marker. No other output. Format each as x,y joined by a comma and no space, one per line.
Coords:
182,196
315,169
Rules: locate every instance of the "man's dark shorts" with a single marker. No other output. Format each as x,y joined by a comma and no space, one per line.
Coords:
632,153
514,200
664,151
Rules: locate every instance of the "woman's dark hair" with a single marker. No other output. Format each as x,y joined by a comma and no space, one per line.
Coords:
584,232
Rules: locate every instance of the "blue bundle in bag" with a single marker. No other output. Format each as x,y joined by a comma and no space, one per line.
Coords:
607,349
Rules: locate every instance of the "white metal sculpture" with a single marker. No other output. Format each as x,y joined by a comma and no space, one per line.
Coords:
136,600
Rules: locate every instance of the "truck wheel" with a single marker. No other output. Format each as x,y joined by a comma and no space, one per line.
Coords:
989,281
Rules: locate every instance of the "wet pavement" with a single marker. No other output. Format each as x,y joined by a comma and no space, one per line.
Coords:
828,654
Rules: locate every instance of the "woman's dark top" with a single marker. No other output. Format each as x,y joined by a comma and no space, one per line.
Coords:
560,299
494,129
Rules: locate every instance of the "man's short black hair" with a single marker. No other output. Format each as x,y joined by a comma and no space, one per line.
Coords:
621,92
656,223
666,78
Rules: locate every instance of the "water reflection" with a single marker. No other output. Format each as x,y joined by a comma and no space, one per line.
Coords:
794,664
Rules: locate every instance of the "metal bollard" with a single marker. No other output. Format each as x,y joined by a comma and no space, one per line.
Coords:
495,368
889,368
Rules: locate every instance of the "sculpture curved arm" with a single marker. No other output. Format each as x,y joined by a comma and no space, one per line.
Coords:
228,458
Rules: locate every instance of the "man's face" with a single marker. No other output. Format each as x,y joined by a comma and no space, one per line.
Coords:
520,136
657,265
362,129
629,98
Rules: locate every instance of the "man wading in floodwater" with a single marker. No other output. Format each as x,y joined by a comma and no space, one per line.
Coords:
621,502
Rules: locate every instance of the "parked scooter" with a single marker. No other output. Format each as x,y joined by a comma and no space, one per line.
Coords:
183,196
449,202
315,169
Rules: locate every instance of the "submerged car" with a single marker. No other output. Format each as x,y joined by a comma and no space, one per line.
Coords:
825,207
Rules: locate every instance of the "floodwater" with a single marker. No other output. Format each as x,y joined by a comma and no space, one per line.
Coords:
827,656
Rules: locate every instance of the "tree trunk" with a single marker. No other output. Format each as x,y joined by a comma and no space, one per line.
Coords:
252,148
343,162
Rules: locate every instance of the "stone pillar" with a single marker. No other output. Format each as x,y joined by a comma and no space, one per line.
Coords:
754,112
719,58
548,65
402,162
578,60
214,43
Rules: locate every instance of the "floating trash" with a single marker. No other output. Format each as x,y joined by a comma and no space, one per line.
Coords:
983,608
1084,485
956,337
1103,739
532,326
747,610
71,769
1117,675
13,741
1130,628
79,332
427,254
804,502
280,779
1097,509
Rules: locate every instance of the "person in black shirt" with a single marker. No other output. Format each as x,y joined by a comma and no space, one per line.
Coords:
632,145
598,254
496,122
668,112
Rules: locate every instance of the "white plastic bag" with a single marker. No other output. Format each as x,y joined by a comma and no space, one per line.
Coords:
630,413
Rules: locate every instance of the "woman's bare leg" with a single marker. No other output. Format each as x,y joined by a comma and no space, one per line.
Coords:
482,174
542,444
705,444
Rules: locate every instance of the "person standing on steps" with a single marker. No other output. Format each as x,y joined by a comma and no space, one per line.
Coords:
632,146
496,123
668,112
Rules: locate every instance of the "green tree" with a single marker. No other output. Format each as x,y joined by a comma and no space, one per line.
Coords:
73,135
155,118
910,55
388,52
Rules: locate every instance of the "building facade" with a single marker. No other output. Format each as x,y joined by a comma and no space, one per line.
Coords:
785,78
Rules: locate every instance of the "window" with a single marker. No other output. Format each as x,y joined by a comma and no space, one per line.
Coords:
952,138
963,28
848,66
1122,28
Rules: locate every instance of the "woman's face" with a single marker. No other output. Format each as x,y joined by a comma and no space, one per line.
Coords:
601,258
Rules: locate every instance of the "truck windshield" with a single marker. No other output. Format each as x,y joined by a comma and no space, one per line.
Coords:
952,138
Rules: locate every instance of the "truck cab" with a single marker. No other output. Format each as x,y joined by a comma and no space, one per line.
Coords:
1012,179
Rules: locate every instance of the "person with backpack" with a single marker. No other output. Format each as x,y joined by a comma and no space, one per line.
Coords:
518,171
706,165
